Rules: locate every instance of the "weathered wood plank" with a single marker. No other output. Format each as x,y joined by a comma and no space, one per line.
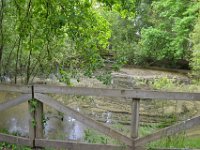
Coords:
173,149
177,128
39,120
76,146
15,88
32,124
135,118
135,122
84,119
135,93
32,121
14,139
11,103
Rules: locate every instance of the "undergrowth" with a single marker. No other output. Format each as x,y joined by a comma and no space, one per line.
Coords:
176,141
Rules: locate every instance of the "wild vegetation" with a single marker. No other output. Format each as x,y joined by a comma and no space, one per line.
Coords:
72,37
195,59
67,37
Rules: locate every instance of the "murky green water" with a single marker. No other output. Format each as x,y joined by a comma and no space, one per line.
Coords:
15,120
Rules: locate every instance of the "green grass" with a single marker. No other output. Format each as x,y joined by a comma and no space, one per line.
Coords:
179,141
7,146
4,146
145,130
176,141
167,84
92,136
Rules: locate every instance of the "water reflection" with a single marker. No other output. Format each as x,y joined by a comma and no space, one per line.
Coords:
75,128
107,116
15,120
63,127
58,126
17,128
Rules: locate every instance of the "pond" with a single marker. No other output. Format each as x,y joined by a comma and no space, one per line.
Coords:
56,125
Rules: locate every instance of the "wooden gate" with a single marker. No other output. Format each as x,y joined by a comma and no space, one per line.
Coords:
38,94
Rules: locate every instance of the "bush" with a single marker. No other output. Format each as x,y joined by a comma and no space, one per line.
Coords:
154,46
195,60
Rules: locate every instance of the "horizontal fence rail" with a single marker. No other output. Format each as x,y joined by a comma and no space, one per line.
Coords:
135,93
77,146
85,91
16,88
15,140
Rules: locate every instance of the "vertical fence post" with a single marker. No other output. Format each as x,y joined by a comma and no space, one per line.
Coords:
31,120
35,120
135,119
39,120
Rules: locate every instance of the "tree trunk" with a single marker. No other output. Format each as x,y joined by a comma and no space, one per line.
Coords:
2,4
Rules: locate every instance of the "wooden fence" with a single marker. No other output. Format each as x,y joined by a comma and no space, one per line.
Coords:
39,94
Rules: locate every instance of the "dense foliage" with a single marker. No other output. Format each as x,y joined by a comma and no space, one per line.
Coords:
158,34
195,59
39,37
167,41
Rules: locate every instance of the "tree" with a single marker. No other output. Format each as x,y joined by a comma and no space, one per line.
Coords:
175,20
40,34
195,60
2,3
